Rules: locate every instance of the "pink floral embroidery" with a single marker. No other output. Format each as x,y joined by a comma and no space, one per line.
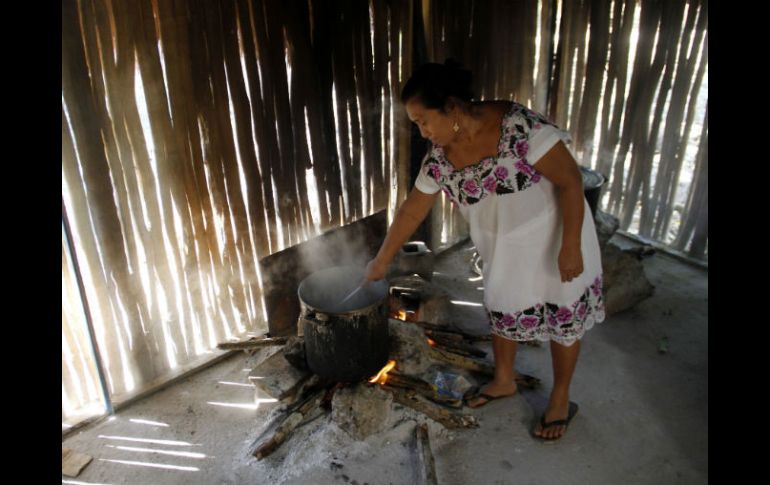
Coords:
490,184
471,187
522,147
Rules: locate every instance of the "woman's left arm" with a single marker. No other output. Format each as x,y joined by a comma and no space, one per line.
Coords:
558,166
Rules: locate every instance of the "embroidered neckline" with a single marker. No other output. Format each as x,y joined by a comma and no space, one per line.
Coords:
500,146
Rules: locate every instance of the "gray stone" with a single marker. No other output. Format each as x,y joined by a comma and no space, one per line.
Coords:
606,226
294,352
361,410
72,463
409,348
625,283
276,377
437,308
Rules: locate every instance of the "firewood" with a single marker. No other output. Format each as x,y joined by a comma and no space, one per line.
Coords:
437,413
423,388
440,334
252,343
446,329
308,386
459,348
284,430
522,380
462,361
425,455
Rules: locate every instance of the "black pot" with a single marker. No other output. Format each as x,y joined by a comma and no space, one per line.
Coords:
592,187
344,342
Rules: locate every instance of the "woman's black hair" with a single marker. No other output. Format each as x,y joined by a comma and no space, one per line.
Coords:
434,83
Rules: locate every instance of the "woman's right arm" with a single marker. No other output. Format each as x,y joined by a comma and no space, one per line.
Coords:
412,212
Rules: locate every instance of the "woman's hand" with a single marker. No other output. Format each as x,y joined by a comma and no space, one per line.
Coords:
375,271
570,262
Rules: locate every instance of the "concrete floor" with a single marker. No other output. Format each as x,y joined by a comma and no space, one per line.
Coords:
643,415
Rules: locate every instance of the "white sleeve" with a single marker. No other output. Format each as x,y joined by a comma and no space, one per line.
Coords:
425,182
543,139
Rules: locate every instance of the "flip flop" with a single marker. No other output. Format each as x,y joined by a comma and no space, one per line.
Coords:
475,393
573,409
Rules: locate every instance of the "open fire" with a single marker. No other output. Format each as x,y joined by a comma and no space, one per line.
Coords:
436,395
382,376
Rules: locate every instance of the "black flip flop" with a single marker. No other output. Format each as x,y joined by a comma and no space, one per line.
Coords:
474,393
573,409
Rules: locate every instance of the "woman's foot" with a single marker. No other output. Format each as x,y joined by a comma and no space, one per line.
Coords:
491,391
558,410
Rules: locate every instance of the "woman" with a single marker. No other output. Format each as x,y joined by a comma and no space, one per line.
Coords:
510,174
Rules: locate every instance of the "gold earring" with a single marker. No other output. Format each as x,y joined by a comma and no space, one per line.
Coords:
456,127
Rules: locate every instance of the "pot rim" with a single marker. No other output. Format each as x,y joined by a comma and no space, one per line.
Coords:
351,312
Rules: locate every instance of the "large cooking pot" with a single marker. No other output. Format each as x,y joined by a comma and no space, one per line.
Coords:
344,341
592,187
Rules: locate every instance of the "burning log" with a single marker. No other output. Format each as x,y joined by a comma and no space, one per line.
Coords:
425,455
388,376
409,382
437,413
252,343
523,380
285,428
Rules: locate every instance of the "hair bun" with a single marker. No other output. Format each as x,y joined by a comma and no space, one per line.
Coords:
435,83
458,78
452,63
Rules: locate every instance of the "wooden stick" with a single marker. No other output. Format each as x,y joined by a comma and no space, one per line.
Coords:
437,413
461,361
312,386
408,382
425,455
287,426
444,328
459,348
452,350
303,389
451,358
252,343
435,326
440,334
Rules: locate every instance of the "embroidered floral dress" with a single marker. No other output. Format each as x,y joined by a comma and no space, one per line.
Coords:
516,225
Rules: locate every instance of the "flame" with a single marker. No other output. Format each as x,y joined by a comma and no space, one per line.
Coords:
382,376
431,342
402,315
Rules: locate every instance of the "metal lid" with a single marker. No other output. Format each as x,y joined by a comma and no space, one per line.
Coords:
591,178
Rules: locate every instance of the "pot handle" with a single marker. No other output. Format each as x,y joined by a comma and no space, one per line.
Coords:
312,318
